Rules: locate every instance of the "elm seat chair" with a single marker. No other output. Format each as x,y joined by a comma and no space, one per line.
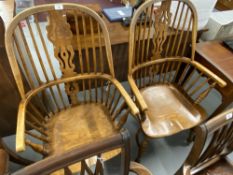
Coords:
214,140
167,86
71,97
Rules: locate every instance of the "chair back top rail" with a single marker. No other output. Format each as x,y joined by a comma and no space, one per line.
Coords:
162,31
61,51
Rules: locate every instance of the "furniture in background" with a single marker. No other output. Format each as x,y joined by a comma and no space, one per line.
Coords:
168,88
67,104
220,26
224,5
4,159
8,91
56,164
213,141
219,59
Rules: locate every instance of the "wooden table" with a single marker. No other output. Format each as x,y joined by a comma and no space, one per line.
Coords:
219,59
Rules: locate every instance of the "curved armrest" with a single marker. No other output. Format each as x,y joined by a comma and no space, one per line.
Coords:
129,101
137,94
139,169
65,159
20,129
216,78
20,137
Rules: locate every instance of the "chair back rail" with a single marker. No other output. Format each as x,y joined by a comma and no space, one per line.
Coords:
79,45
163,30
181,72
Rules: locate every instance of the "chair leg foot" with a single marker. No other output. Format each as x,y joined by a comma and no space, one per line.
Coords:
142,144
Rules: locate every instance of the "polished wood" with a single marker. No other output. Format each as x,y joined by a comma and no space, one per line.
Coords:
167,86
67,105
139,169
52,164
95,125
3,161
160,121
219,168
213,141
119,35
219,59
224,5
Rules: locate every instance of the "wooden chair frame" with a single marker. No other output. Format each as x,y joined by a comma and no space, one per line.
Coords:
33,112
162,66
54,163
205,152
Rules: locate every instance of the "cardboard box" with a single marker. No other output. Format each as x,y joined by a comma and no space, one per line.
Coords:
220,26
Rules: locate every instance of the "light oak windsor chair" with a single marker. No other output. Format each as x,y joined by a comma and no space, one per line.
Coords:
72,97
167,86
213,142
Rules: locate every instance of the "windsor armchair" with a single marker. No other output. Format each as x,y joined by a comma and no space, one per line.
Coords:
72,98
213,142
167,86
57,163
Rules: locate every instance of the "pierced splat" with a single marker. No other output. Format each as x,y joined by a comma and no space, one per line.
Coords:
59,33
162,19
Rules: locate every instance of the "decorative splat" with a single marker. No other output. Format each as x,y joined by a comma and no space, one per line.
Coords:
59,33
162,19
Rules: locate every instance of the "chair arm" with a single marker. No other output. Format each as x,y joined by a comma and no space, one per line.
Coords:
129,101
137,94
65,159
216,78
139,169
219,120
20,128
20,137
